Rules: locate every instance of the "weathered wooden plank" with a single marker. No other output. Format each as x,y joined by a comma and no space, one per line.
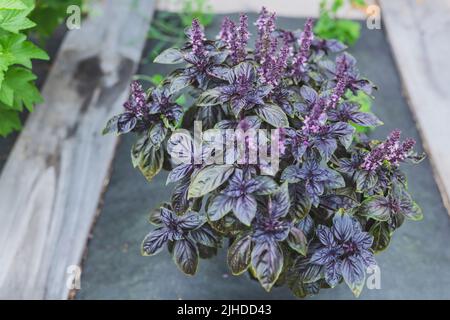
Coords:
419,35
51,185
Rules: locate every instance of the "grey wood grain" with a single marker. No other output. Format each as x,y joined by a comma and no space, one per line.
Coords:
419,35
52,182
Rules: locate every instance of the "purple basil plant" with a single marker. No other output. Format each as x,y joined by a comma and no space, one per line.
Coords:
335,197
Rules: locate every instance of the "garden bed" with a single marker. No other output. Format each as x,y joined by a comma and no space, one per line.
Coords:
415,266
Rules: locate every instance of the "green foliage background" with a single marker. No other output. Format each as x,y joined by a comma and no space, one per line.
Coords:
17,88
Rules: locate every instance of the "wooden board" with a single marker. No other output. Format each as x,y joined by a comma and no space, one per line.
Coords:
52,182
419,35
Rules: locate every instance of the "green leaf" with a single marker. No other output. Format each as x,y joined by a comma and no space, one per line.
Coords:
15,20
209,179
9,121
12,5
16,50
239,254
273,115
25,93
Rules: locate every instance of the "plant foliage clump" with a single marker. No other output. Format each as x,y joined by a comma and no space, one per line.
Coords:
314,221
17,89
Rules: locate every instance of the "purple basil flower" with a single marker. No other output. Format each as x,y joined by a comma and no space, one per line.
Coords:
347,73
235,38
344,251
390,150
265,42
197,37
306,38
226,31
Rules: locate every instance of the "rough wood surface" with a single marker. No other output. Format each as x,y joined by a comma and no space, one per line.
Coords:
52,182
419,35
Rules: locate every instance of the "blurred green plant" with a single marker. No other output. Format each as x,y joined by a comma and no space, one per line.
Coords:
328,26
168,28
48,15
17,88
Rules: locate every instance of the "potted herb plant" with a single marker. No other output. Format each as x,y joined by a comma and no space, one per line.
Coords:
267,157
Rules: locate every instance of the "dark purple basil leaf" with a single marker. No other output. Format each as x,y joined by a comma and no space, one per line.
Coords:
219,71
157,133
413,212
325,236
353,273
309,94
245,208
126,122
209,97
303,271
326,147
155,217
290,174
267,262
180,82
333,273
244,70
381,236
376,207
279,202
239,254
300,202
154,242
264,185
170,56
335,46
179,172
333,178
307,226
297,241
205,236
333,202
365,180
209,179
205,252
344,132
416,158
365,119
179,196
111,125
273,115
191,220
220,206
237,104
185,255
342,227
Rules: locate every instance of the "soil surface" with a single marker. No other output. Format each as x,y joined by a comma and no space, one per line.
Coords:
415,266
